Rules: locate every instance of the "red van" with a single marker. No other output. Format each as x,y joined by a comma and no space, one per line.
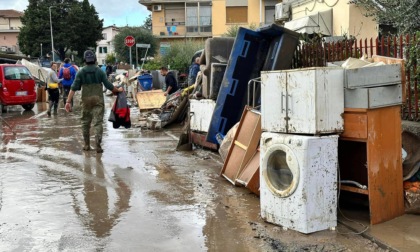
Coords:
17,87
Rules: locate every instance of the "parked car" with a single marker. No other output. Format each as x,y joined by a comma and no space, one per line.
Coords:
17,87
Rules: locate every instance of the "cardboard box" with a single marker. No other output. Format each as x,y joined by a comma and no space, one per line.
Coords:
41,95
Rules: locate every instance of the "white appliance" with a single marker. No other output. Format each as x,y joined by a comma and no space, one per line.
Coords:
281,12
304,101
298,181
201,112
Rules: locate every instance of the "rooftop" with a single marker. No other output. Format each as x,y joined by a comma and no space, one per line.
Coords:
10,14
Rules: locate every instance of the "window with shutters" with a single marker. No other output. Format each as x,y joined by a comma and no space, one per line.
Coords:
236,14
103,50
174,14
236,11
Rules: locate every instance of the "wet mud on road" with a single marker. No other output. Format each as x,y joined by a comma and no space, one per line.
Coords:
139,195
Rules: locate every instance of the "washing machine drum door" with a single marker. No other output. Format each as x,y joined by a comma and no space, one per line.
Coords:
281,170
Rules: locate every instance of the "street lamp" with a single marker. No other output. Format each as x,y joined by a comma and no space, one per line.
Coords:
41,51
52,39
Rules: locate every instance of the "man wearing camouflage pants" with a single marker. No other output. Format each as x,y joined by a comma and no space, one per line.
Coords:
90,80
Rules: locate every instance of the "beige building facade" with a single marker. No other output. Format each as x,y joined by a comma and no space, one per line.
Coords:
9,30
173,20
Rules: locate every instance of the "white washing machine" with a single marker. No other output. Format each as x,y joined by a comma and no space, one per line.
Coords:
298,181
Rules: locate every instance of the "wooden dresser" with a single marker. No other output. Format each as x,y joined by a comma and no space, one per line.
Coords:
370,153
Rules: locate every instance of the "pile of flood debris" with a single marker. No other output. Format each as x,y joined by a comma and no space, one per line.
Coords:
271,124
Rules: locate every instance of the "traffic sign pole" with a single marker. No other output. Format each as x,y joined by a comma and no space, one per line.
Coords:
130,58
130,41
147,46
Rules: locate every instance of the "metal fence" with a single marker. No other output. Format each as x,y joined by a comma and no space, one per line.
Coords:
319,53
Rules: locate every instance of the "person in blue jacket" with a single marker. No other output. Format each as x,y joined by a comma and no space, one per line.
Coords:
194,69
68,74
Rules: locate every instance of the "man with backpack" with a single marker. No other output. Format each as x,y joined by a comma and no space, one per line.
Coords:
67,73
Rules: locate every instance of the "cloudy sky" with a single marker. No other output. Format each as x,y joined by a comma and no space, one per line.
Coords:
118,12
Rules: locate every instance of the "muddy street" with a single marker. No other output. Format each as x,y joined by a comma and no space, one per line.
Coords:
139,195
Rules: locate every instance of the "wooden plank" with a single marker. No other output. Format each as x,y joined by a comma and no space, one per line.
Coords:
247,135
152,99
353,139
355,125
385,186
354,189
233,162
356,110
240,145
250,175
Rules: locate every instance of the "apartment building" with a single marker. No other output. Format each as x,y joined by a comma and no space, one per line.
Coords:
201,19
173,19
106,46
9,30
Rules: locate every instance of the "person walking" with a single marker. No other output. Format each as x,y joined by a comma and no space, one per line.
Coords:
108,69
52,87
90,80
194,69
67,73
170,81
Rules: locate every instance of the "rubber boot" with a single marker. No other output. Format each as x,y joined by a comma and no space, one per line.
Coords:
49,108
86,139
55,108
98,144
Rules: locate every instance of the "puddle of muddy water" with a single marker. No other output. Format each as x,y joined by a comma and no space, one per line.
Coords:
139,195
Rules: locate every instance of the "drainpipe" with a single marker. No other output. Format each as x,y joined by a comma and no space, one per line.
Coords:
260,12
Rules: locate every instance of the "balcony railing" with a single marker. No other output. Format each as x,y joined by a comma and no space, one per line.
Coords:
173,31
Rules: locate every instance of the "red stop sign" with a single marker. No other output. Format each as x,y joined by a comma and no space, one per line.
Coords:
129,41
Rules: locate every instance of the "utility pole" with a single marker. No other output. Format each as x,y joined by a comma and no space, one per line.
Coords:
52,38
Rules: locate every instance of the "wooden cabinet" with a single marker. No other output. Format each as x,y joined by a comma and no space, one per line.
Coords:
370,154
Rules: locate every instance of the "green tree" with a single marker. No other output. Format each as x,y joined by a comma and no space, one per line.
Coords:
154,64
232,30
179,55
148,23
89,28
402,14
110,58
76,26
142,36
